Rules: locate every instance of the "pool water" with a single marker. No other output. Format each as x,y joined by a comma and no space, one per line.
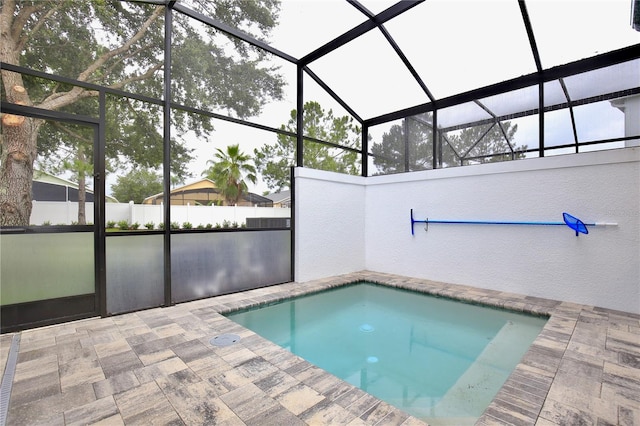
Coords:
439,360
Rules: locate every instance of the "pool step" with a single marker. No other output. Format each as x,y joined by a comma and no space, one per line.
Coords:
468,393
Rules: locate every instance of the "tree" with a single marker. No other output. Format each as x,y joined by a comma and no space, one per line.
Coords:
389,155
136,186
485,143
480,143
73,153
229,170
120,45
274,161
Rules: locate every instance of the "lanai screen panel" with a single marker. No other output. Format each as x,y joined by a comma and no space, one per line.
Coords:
307,25
604,81
567,31
369,76
457,115
460,46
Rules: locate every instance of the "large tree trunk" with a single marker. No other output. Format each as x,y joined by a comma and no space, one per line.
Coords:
19,149
19,136
16,172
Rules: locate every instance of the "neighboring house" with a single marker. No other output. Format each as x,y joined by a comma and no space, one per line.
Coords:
630,106
205,193
280,199
46,187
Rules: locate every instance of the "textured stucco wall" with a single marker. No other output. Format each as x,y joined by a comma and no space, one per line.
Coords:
601,268
330,224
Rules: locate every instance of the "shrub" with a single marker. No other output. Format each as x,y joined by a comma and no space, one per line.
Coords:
123,225
149,225
187,225
135,225
209,226
175,225
161,225
200,226
226,224
111,224
234,225
46,223
218,226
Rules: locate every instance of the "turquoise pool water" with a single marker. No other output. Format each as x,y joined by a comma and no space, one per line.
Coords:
440,360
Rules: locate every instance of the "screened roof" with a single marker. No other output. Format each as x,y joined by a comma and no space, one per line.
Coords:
466,74
380,57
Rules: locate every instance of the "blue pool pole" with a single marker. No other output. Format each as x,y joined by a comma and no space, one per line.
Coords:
569,220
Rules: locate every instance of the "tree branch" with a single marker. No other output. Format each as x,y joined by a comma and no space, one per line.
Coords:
70,132
25,38
6,16
145,75
102,59
131,54
60,100
21,19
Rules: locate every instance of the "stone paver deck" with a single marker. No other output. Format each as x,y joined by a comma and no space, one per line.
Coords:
158,367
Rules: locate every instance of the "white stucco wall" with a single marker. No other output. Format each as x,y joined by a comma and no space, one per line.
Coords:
330,208
601,268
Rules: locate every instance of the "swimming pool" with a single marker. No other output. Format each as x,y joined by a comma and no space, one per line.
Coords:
437,359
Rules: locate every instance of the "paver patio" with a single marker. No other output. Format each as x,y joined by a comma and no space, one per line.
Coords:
158,367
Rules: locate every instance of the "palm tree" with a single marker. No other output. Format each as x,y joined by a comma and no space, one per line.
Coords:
229,170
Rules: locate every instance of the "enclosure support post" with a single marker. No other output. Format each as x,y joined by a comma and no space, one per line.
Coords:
100,245
541,118
365,150
293,222
437,142
405,130
299,119
166,167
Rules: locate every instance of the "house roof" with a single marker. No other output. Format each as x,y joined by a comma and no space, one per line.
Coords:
206,184
200,184
280,197
44,177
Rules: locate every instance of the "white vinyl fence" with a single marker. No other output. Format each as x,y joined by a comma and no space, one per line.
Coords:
66,213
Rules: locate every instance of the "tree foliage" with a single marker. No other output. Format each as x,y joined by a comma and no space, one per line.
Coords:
485,143
120,45
230,170
480,143
274,161
137,185
389,154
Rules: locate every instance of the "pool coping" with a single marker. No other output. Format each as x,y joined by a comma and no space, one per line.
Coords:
401,286
526,397
584,367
